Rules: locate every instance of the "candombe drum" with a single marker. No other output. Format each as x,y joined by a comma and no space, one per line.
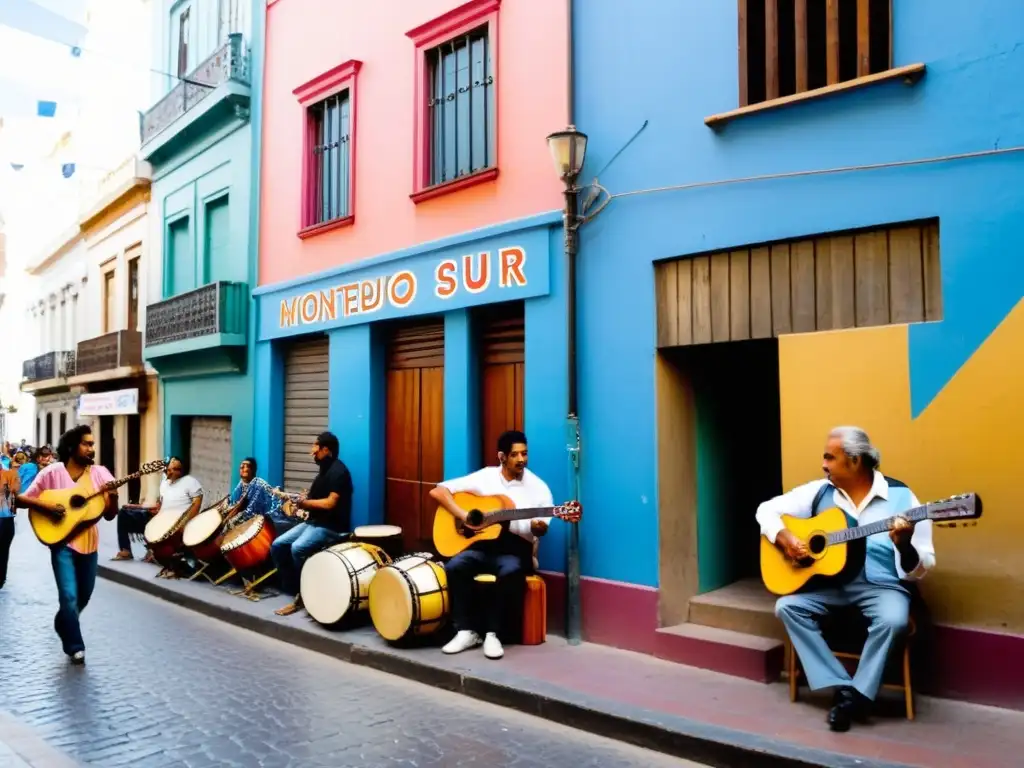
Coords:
409,598
387,537
201,533
247,546
163,535
335,583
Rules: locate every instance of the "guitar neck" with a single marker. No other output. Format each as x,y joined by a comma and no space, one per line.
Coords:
507,515
915,515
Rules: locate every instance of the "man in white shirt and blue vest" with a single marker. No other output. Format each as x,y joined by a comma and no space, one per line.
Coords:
854,484
509,558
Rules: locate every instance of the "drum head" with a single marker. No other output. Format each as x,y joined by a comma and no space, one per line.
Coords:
201,527
376,531
390,603
161,525
239,535
326,587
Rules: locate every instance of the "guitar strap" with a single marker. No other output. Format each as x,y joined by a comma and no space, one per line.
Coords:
825,488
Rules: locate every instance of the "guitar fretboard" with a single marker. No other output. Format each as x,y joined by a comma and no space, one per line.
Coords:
506,515
915,515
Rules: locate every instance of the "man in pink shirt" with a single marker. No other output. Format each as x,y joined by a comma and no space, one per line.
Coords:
74,563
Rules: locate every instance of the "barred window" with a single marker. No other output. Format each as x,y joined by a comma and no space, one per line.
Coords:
792,46
330,160
461,107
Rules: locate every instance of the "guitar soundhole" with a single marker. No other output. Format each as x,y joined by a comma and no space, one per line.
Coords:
816,544
77,501
474,517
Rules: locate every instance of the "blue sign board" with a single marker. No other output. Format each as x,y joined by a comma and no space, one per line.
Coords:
514,265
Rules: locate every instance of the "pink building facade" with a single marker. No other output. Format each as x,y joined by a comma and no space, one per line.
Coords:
411,270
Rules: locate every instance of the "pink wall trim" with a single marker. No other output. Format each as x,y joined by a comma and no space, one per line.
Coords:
967,663
340,78
456,22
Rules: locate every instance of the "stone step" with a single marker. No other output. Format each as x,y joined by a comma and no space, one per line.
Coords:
744,606
722,650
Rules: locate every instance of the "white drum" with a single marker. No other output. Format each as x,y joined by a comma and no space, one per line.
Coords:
336,581
201,534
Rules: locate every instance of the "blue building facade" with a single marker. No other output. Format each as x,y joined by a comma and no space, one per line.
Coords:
198,137
841,197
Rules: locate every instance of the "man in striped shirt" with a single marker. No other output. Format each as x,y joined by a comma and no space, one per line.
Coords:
74,564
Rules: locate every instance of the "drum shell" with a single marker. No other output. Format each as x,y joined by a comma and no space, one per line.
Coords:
254,552
167,551
428,597
208,550
345,565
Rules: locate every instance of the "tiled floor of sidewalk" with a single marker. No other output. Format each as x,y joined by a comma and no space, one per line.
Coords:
21,747
626,688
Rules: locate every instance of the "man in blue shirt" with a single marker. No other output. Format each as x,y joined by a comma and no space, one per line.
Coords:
906,553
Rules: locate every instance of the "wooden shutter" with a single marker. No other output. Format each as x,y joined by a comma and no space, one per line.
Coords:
502,357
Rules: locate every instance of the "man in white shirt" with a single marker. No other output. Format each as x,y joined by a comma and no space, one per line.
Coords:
179,491
509,558
853,484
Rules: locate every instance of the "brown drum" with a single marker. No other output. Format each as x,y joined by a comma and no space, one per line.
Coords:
387,537
163,535
247,546
201,533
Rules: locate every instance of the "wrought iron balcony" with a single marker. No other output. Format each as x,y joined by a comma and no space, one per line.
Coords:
50,365
228,64
109,351
213,310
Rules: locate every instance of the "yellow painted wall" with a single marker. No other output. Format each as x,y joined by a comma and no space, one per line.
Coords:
970,438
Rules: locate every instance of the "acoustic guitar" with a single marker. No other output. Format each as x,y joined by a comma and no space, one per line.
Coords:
828,535
83,506
291,500
451,536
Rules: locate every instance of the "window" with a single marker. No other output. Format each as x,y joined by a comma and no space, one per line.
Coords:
329,149
180,270
133,294
218,238
49,429
792,46
184,39
109,302
456,100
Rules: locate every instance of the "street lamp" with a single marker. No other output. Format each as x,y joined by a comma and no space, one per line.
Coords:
568,149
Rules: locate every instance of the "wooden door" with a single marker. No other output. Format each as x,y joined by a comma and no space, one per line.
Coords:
502,355
414,452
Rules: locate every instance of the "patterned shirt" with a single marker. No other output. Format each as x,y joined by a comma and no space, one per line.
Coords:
259,499
55,477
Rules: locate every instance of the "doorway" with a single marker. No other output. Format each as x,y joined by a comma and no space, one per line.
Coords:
108,446
134,457
501,345
724,399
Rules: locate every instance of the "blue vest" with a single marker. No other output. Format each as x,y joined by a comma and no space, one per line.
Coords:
880,554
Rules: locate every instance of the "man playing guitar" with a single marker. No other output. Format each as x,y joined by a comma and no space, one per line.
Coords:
509,558
853,484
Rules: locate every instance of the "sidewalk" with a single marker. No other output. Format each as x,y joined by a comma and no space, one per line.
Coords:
20,747
679,710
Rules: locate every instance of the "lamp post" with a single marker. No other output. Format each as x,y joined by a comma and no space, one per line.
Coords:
568,149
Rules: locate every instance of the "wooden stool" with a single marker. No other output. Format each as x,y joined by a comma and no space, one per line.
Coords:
535,608
793,669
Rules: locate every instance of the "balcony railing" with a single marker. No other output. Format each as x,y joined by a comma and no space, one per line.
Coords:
50,365
213,309
229,62
109,351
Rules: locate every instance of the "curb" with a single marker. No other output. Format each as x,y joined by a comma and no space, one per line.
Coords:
706,744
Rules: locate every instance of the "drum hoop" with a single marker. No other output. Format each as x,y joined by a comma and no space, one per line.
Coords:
235,543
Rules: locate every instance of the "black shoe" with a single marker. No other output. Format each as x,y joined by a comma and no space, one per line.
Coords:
845,706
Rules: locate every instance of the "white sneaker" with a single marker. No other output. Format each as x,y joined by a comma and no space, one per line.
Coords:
464,640
492,646
78,657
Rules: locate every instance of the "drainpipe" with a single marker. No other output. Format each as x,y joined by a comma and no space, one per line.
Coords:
573,618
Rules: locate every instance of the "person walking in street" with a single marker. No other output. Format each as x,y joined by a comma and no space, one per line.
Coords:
329,504
510,557
9,487
74,564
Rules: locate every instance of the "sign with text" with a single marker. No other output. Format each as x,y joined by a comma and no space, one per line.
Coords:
515,266
122,401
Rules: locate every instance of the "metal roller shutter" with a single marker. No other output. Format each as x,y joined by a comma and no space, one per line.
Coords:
306,403
210,456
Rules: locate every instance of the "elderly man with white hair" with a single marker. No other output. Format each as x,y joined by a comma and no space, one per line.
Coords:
854,484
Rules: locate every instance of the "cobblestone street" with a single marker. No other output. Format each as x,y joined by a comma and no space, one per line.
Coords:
167,687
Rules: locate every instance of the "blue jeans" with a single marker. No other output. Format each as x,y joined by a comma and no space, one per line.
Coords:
291,550
75,575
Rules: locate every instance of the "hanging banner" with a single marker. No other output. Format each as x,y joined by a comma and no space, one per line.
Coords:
120,402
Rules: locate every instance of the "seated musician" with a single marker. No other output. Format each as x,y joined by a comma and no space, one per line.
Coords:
329,509
255,496
509,557
179,491
853,484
